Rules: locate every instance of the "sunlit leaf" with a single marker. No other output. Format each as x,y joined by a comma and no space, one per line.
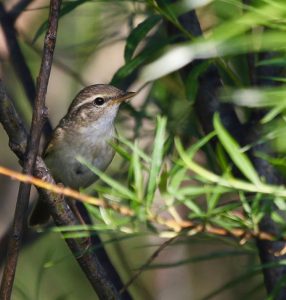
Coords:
138,173
157,157
232,148
134,64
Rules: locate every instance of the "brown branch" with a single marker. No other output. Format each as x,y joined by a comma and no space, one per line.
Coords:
81,248
65,191
48,185
19,64
19,147
38,119
59,210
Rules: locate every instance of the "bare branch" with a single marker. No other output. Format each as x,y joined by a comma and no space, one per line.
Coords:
38,119
58,208
47,185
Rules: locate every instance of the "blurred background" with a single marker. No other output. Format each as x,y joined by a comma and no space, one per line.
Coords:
91,49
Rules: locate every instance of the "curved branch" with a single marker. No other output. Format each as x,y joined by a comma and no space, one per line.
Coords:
59,210
7,19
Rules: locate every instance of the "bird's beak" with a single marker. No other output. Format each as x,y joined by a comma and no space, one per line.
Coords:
125,96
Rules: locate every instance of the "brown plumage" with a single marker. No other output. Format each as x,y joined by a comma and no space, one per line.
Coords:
86,131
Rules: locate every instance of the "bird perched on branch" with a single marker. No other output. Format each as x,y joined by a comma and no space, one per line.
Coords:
86,131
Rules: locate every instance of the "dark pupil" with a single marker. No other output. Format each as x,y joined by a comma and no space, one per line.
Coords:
98,101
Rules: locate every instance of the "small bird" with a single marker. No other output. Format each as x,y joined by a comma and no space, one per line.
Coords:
86,131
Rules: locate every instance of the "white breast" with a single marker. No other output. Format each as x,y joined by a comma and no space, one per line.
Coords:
92,144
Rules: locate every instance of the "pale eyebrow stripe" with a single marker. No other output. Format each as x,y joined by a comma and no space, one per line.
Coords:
87,100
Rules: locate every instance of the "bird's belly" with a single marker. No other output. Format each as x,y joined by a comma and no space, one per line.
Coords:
66,168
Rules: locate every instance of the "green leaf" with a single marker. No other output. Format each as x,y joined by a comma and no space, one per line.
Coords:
214,198
138,173
193,207
223,161
163,184
131,66
232,148
138,34
245,204
274,112
277,218
194,149
107,179
157,157
276,61
199,144
194,191
216,41
176,179
121,151
280,203
130,145
192,82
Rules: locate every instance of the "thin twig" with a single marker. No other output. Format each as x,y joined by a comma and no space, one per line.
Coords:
190,227
65,191
38,120
107,264
147,263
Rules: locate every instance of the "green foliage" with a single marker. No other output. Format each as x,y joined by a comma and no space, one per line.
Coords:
232,148
151,175
173,168
138,34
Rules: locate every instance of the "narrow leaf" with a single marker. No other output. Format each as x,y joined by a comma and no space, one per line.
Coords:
138,174
107,179
232,148
157,157
138,34
130,145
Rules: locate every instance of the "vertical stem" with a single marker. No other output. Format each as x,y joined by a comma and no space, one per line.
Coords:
38,120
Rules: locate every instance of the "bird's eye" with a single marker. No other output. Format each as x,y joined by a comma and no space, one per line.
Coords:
98,101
